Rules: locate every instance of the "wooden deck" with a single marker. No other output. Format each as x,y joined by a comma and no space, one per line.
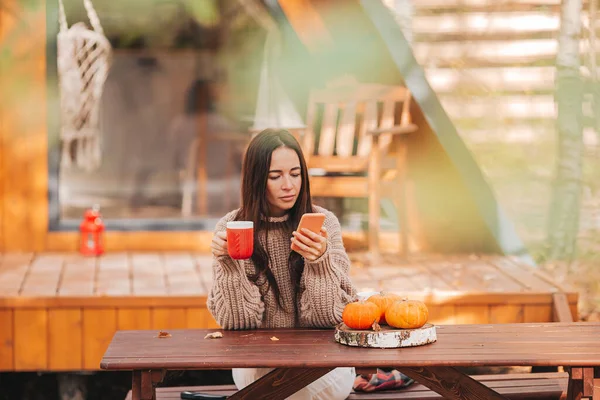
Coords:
58,312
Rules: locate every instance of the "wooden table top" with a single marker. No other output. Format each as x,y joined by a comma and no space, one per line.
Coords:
546,344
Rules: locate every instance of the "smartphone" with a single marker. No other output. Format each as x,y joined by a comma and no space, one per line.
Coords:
311,221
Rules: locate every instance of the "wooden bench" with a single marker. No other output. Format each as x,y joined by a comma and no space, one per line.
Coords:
546,386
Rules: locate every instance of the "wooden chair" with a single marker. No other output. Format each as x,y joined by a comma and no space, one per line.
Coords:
354,134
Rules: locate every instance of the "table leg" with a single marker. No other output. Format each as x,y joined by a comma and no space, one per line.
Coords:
451,383
143,384
136,385
280,383
596,389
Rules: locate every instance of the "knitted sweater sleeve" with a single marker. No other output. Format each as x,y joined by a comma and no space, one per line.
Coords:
234,301
326,287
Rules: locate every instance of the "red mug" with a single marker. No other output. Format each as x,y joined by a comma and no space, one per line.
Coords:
240,239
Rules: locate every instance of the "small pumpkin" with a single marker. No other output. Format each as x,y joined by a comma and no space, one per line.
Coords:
360,314
383,301
407,314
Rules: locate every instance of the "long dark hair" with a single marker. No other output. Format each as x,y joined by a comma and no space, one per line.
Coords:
255,173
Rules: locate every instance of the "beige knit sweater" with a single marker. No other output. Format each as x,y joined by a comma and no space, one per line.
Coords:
325,288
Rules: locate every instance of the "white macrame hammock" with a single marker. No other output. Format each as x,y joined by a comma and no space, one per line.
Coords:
84,57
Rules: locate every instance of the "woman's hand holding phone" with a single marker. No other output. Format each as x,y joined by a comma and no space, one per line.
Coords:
310,239
310,245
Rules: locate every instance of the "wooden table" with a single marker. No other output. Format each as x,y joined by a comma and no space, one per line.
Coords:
302,356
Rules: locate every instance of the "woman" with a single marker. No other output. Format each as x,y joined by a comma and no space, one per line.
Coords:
278,287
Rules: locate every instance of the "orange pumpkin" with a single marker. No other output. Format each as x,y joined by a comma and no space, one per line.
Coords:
383,301
360,314
407,314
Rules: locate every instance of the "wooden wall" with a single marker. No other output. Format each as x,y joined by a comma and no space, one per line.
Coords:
23,158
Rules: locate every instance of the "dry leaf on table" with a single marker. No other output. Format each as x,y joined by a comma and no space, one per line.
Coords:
274,338
376,327
214,335
162,335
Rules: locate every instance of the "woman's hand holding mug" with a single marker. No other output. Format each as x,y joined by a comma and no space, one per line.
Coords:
219,244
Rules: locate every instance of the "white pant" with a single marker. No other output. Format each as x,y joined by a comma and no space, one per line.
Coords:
335,385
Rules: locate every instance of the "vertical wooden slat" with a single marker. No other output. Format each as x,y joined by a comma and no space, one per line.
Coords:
471,314
23,130
200,318
6,340
133,318
169,318
31,339
442,314
345,136
375,197
387,121
328,128
308,141
196,318
537,313
99,326
65,334
369,122
506,314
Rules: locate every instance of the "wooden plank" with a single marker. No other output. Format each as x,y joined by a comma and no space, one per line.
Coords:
78,276
148,274
113,275
181,275
348,186
328,129
560,310
520,275
13,270
538,272
369,123
504,314
451,383
345,136
198,241
469,314
280,383
509,106
517,80
204,270
99,326
6,340
169,318
133,318
476,23
442,314
103,301
198,317
537,313
44,275
65,339
24,134
116,241
433,5
31,339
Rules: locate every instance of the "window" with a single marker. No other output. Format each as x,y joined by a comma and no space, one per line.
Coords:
174,118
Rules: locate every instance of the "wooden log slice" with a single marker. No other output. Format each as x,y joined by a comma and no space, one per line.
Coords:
385,338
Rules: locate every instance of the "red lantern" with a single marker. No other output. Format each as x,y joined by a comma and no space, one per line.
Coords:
92,230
